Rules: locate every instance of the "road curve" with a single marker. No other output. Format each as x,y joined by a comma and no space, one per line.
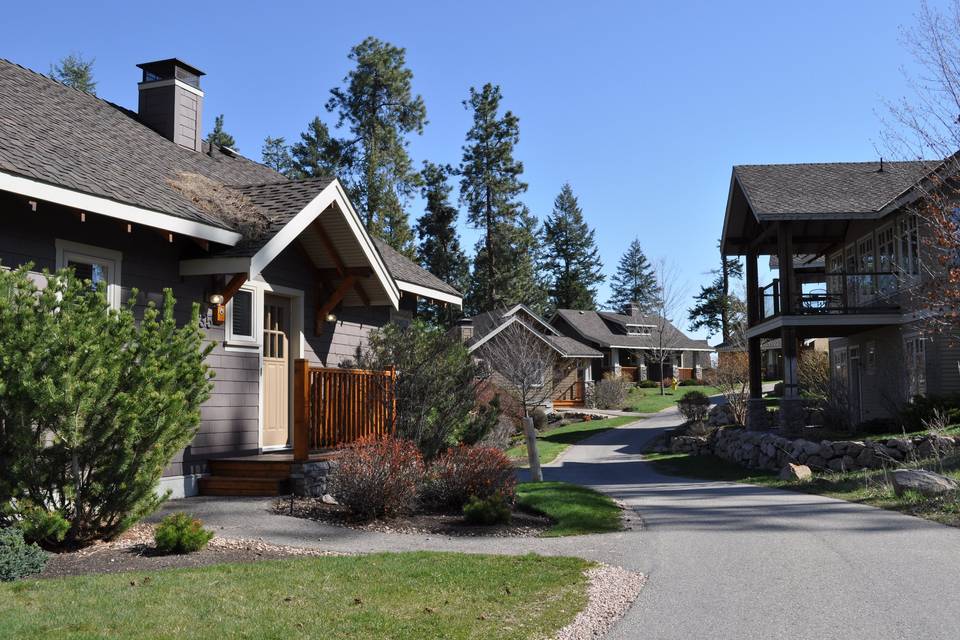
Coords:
734,561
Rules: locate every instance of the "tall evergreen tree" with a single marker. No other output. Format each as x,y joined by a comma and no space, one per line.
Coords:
378,108
439,248
276,154
714,304
490,187
220,137
318,154
75,71
571,259
634,281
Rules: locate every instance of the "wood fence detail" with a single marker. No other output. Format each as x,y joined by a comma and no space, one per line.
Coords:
338,406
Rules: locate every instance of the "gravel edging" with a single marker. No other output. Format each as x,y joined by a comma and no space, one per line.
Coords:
611,592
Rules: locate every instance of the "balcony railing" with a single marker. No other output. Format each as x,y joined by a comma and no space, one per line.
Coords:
840,293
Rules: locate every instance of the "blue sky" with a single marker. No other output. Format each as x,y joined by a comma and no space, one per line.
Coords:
643,107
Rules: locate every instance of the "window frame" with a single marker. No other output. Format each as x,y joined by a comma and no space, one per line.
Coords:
253,340
69,251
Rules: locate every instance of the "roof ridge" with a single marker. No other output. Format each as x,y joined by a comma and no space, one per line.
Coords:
836,163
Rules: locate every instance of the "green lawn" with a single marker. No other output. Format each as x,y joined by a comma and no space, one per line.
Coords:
650,400
868,487
552,442
410,595
577,510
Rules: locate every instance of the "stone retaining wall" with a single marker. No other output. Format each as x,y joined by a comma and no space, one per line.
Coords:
310,478
764,450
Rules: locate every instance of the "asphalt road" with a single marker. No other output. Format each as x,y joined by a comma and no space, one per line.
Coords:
725,561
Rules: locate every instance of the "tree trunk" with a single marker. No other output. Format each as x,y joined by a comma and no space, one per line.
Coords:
533,455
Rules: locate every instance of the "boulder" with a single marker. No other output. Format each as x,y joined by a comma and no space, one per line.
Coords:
796,472
926,483
816,462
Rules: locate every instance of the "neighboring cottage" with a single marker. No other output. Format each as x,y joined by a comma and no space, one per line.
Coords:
770,352
284,270
631,343
565,382
861,219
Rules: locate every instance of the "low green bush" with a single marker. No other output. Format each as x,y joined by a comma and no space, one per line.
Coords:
921,409
487,511
19,558
41,526
540,417
690,382
648,384
695,406
777,390
181,533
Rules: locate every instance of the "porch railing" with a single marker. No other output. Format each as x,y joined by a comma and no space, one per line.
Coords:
838,293
574,393
338,406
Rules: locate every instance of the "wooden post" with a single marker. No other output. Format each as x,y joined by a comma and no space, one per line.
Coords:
753,289
301,410
533,454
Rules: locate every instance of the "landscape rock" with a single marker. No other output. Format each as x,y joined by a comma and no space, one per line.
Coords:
926,483
796,472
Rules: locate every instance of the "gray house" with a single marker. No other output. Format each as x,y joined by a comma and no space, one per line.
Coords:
631,343
284,269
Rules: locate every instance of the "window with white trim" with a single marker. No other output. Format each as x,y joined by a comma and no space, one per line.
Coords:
242,315
886,259
909,245
96,264
915,352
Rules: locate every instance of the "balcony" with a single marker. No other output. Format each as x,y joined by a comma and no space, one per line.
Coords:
834,294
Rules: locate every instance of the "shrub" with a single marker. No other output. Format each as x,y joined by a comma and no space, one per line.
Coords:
539,416
376,477
41,526
181,533
94,403
648,384
690,382
694,406
777,390
436,386
921,409
610,393
487,511
464,472
17,557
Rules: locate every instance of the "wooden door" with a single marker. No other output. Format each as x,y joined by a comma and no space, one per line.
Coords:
276,371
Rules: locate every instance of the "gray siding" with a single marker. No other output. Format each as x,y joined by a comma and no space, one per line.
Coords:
230,418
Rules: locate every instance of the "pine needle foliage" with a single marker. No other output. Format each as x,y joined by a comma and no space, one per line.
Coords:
93,403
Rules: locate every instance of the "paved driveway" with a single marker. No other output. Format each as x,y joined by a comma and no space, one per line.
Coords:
725,561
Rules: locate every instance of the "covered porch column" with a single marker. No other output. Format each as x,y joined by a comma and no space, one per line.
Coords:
756,408
615,361
791,406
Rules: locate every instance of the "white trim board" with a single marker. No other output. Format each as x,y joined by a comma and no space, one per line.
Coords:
113,209
68,250
428,292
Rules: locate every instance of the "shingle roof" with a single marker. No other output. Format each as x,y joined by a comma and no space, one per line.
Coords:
484,323
572,348
63,136
591,326
836,187
403,268
279,202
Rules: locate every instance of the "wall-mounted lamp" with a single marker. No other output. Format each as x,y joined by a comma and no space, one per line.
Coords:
219,310
215,298
331,317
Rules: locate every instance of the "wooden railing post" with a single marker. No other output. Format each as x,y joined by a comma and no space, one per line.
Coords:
301,410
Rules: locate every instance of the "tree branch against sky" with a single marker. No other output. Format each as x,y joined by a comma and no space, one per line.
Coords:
571,258
75,71
667,305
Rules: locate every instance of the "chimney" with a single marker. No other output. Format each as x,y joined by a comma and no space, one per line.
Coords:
465,329
631,309
171,102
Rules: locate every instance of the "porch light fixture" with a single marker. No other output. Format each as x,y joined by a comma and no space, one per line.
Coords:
331,317
215,298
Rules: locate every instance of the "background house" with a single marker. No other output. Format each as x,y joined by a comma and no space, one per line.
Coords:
565,382
628,342
135,200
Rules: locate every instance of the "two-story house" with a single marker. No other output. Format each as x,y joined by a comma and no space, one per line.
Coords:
861,221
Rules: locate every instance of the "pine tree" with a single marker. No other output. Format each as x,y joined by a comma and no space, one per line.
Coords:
317,154
439,250
276,154
572,261
379,110
634,281
74,71
714,304
490,186
219,137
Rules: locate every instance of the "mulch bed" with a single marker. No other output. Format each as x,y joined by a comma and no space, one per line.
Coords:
134,551
522,524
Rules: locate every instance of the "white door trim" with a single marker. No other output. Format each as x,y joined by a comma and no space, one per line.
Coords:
296,297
